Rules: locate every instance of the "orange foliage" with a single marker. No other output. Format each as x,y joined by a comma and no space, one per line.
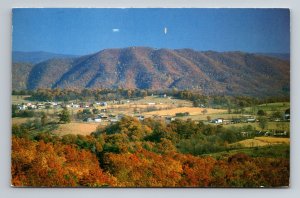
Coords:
144,169
45,164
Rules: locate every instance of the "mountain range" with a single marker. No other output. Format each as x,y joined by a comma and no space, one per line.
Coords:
36,57
207,72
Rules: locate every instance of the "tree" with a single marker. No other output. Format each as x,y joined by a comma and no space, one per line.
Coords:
95,111
208,118
263,122
64,116
277,115
44,119
261,113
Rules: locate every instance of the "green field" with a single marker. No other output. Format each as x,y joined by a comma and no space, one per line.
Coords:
270,107
18,99
272,151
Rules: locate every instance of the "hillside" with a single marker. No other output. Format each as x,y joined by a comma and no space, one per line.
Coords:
20,73
209,72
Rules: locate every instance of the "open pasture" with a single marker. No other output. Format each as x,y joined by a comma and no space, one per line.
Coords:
261,141
76,128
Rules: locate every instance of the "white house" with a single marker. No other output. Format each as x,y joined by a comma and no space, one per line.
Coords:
218,121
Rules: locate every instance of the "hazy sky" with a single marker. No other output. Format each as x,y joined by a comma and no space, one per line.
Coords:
83,31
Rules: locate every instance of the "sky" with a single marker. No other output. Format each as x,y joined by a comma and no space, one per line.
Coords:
85,31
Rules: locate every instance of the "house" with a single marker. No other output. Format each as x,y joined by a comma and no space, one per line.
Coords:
97,120
169,119
287,114
87,120
40,106
104,117
22,107
218,121
245,134
251,119
236,120
114,120
141,117
75,105
104,104
227,121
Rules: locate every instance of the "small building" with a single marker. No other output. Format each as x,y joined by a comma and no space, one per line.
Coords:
75,105
114,120
97,120
227,121
87,120
140,117
287,114
244,134
104,104
251,119
22,107
218,121
236,120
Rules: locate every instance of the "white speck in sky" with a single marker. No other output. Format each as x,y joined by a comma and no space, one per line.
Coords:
166,30
116,30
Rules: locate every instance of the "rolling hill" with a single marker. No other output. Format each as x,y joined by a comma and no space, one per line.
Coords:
208,72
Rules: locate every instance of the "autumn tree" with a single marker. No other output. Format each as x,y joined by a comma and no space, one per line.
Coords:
64,116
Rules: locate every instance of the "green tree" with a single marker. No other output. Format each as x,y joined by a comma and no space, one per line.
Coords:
64,116
44,119
263,122
261,113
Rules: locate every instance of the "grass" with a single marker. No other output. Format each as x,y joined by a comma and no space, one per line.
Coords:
76,128
168,101
271,125
15,99
270,107
261,141
19,121
271,151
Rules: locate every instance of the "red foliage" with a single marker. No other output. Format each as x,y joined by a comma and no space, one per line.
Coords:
45,164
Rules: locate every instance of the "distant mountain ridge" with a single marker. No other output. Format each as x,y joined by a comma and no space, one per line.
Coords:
36,57
209,72
282,56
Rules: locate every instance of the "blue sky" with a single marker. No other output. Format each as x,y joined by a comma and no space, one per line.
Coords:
84,31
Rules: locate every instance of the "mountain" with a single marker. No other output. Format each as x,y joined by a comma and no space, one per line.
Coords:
36,57
209,72
282,56
20,73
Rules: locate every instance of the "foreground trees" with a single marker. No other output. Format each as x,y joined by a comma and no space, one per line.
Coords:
151,153
50,165
36,163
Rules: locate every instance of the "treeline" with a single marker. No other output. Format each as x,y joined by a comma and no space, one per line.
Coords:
198,99
140,154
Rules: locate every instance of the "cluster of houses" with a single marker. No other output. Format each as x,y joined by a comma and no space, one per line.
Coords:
102,117
242,119
57,105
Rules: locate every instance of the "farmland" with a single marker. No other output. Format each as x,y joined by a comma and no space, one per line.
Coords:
140,133
76,128
261,141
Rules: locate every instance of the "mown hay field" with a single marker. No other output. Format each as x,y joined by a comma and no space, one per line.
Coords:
190,110
76,128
